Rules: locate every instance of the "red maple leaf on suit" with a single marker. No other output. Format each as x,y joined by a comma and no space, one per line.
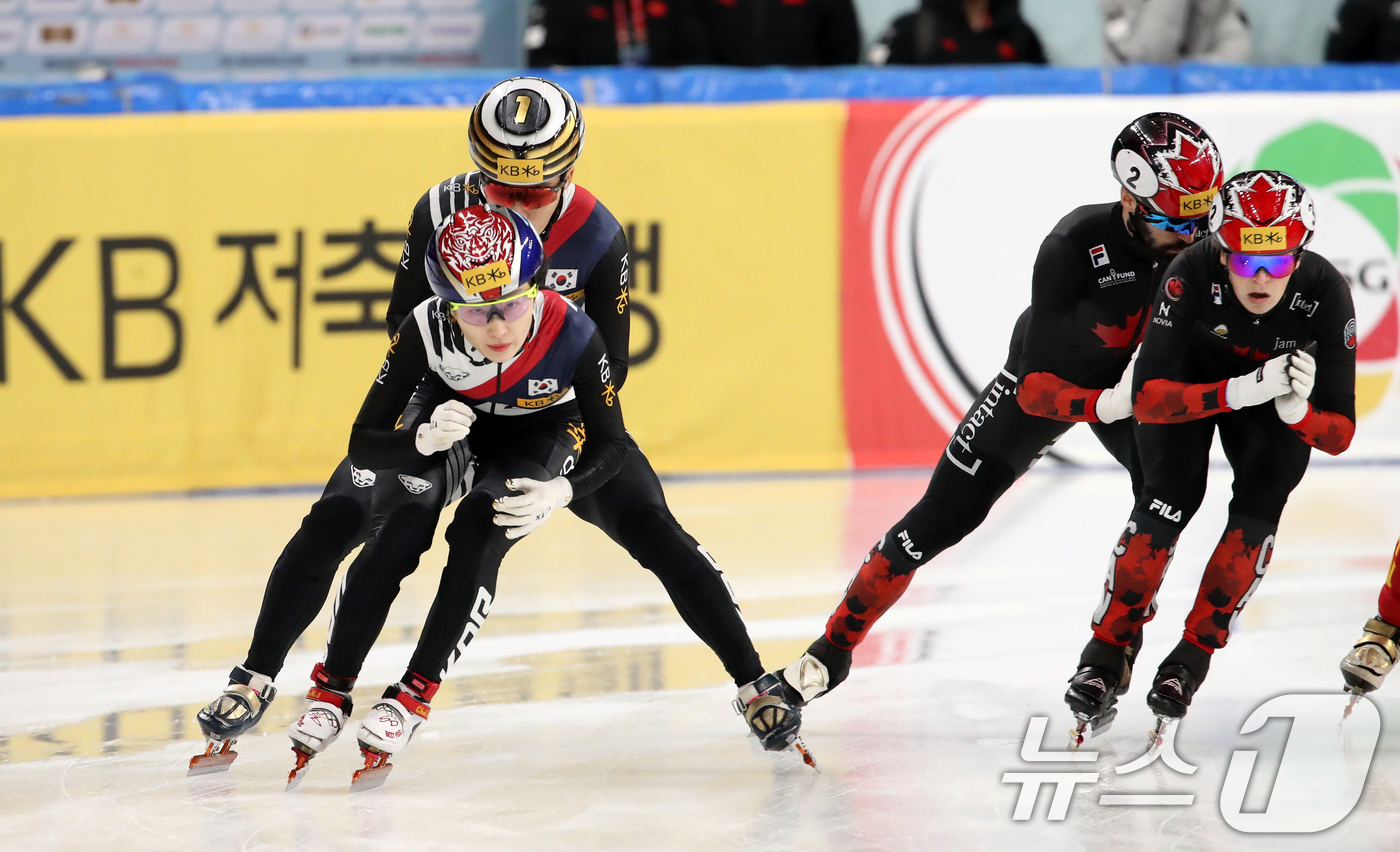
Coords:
1120,337
1243,351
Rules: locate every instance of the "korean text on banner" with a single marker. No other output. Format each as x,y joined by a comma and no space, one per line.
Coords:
197,301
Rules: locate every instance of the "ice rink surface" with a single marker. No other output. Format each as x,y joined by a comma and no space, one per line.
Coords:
587,717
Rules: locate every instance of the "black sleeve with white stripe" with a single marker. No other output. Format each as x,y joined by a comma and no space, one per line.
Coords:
375,443
410,279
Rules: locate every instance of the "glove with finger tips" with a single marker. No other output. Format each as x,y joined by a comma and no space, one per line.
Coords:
1302,375
1260,386
450,423
526,512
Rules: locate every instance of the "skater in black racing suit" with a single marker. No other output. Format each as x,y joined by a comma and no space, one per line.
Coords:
1230,350
1069,361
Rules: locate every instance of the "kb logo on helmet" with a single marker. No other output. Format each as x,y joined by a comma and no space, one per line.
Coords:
1262,239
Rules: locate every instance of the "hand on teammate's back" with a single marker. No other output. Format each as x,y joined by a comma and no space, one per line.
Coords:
450,423
1302,374
1259,386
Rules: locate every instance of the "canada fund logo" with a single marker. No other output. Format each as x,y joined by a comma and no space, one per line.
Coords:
1353,184
1307,783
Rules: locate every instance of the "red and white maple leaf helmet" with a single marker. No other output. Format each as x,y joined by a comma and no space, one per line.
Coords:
1262,212
1169,164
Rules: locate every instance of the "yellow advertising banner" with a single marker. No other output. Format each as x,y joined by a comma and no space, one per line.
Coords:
196,300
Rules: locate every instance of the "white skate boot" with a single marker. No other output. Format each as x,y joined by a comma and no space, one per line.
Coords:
322,722
386,730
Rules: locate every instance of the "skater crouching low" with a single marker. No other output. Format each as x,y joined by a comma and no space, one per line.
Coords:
1229,350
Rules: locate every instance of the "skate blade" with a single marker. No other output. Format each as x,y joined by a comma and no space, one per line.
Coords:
370,777
1356,695
299,771
374,773
801,748
1156,735
212,761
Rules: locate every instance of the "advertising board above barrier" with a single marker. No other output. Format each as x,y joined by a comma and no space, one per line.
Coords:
197,301
947,201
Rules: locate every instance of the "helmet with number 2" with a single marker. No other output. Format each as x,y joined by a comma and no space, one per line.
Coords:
483,254
1262,212
525,131
1169,164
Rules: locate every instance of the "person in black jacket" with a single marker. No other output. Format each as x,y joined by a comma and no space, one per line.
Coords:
616,32
782,32
1365,31
959,32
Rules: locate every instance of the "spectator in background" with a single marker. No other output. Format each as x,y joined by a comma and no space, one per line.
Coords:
1167,31
1365,31
959,32
616,32
782,32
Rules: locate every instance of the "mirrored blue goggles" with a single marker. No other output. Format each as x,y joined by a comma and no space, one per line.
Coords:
1185,227
1248,265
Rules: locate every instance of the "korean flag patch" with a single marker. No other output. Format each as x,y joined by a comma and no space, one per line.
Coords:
542,387
562,280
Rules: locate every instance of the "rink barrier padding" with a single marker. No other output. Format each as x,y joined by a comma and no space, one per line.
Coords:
161,93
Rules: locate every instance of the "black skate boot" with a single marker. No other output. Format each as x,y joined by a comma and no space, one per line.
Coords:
1178,678
816,673
227,717
1371,658
1105,670
771,717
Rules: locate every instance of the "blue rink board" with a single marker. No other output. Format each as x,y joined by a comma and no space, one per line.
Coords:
156,93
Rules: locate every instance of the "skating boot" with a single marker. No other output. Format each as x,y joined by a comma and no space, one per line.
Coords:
1178,678
322,722
771,718
1372,657
227,717
1105,670
816,673
389,726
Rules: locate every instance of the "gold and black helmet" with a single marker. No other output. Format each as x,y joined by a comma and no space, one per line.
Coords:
525,130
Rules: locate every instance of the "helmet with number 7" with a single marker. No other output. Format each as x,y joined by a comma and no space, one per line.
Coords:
483,254
1169,164
1262,212
525,131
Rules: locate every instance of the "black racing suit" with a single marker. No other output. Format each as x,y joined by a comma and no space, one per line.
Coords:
631,508
548,411
1090,293
1200,337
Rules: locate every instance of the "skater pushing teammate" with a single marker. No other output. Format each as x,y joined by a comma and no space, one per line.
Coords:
1069,361
525,136
1253,337
1373,655
487,340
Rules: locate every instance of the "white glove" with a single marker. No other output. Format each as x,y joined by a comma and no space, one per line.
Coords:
1302,373
1116,403
1260,386
449,424
529,510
